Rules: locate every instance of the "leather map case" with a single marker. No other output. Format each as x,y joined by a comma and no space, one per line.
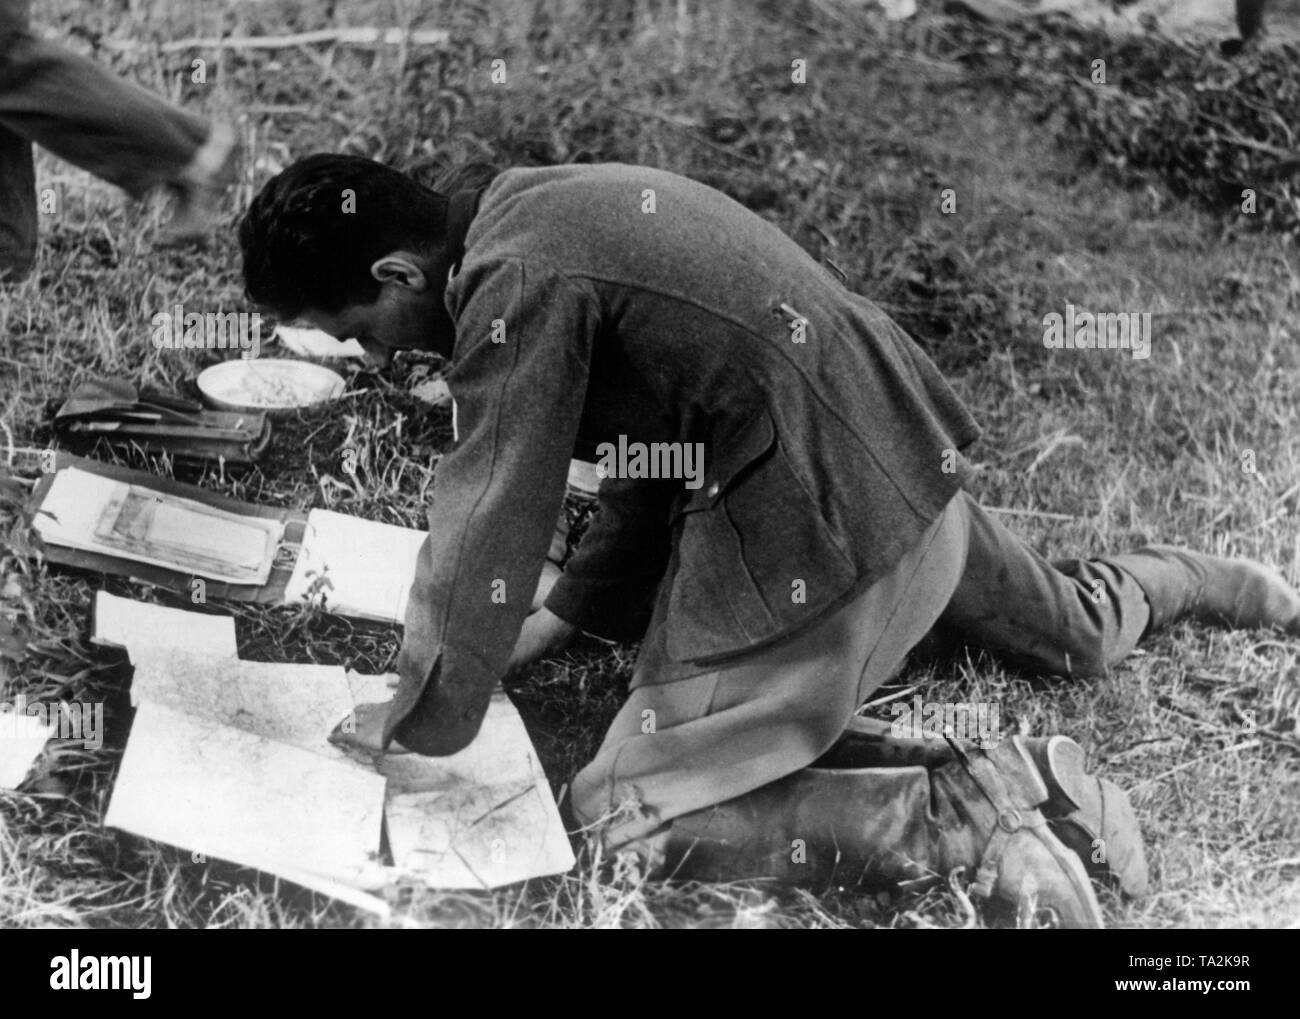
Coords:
270,593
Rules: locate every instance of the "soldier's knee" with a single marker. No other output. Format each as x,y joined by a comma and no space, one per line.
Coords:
1086,654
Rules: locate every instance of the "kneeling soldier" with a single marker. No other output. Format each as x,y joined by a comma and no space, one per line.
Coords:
775,588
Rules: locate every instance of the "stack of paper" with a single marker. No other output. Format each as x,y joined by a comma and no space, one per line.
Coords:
96,514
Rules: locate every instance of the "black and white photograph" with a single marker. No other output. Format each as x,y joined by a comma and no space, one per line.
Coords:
650,464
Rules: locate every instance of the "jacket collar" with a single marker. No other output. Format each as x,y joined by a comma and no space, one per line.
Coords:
461,209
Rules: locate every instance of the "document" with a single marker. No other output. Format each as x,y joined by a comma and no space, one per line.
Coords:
358,567
96,514
123,622
294,704
480,818
207,786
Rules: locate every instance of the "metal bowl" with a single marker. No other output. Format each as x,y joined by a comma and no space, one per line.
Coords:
270,385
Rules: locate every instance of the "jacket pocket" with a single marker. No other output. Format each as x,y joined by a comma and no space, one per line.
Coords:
755,557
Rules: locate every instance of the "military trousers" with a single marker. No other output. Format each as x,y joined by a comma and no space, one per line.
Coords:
83,113
690,737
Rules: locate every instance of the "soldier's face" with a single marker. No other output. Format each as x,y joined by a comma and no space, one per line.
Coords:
408,314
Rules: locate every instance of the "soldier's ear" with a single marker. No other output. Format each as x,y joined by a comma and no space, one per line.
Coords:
401,268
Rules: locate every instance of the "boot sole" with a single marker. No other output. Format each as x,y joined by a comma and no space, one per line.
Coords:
1076,794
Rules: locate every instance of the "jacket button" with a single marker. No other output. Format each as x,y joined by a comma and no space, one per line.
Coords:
714,489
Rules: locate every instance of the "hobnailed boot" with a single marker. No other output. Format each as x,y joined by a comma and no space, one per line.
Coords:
876,826
1091,815
1188,585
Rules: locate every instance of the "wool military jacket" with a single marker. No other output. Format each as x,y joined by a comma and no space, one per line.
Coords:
622,305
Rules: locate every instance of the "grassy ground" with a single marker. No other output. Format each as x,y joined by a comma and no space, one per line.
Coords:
1088,451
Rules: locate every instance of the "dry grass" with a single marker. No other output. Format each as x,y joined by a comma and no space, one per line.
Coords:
1201,725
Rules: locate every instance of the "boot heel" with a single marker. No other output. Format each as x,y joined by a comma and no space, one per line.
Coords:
1066,776
1093,817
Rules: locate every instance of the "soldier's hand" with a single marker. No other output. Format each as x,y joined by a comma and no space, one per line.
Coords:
544,633
364,730
550,574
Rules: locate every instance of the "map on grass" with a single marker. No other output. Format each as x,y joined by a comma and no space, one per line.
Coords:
294,704
231,758
206,786
479,818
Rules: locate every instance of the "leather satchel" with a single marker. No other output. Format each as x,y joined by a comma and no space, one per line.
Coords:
159,423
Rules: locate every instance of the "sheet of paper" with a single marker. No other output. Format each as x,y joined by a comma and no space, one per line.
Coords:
317,343
22,738
364,569
478,819
331,887
372,689
212,788
122,623
96,514
294,704
583,479
176,530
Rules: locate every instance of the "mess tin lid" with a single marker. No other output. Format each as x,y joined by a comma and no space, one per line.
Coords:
268,385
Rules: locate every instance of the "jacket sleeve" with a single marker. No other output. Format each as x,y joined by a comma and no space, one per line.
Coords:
608,587
518,380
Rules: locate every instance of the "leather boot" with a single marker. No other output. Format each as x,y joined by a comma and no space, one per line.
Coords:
1092,816
1188,585
199,187
878,826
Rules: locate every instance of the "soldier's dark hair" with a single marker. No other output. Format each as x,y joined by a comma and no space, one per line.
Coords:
477,173
310,236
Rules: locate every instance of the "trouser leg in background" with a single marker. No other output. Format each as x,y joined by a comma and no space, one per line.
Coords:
83,113
689,738
17,206
1071,617
17,172
1078,617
